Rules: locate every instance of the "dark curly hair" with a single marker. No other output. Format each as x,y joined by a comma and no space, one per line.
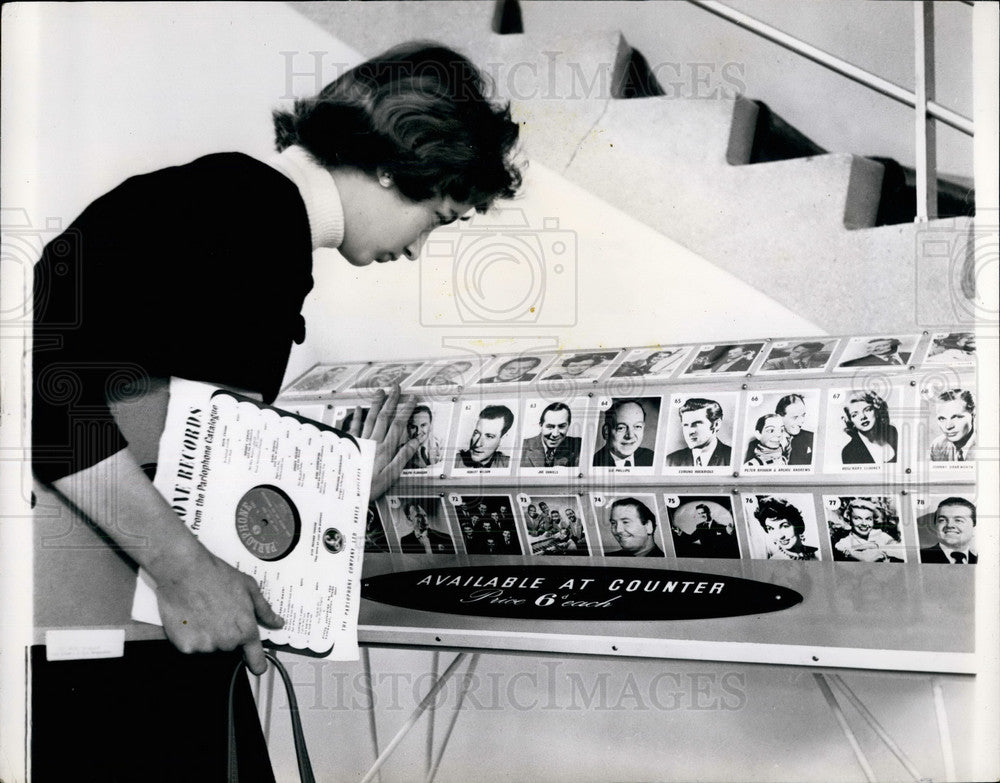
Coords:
779,508
419,112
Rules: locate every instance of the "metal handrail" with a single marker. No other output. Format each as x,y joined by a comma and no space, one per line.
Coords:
836,64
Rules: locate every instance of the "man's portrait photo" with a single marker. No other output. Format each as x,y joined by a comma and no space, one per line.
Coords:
581,366
553,434
375,537
384,375
483,437
627,434
722,359
952,424
629,526
947,348
516,369
781,431
651,362
865,529
428,423
699,433
555,525
877,352
781,527
448,373
947,530
321,379
488,525
702,526
421,525
786,356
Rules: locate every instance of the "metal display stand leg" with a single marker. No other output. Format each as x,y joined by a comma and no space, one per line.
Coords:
366,665
426,702
838,713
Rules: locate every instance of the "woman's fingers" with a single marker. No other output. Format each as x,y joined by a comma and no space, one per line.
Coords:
356,417
378,405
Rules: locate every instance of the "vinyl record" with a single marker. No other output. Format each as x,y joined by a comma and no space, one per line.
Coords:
267,522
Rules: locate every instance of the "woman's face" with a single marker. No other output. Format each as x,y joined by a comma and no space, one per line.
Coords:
381,224
782,534
862,415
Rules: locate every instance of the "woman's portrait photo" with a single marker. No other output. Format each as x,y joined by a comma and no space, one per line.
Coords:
865,529
781,527
859,429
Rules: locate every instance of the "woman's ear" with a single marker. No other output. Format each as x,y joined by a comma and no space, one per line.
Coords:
385,178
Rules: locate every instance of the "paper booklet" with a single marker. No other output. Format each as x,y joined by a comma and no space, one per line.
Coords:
279,497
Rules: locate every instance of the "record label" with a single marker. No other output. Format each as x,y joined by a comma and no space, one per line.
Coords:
267,522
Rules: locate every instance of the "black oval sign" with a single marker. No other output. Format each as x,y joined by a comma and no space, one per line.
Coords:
577,593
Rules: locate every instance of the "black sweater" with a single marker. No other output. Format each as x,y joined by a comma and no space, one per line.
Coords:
196,271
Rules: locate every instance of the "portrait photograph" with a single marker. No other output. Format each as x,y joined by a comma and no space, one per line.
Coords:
515,369
658,362
700,429
487,524
946,528
555,525
385,374
629,525
322,379
865,529
375,537
430,424
579,366
730,358
779,431
876,352
449,374
781,526
486,437
947,439
626,435
552,436
864,432
793,356
947,349
421,524
702,526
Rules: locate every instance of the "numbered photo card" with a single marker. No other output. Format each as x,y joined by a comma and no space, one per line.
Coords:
375,537
486,437
700,429
321,380
487,523
950,349
579,366
864,529
554,524
863,429
659,362
811,354
421,524
552,435
946,528
780,431
449,374
516,369
626,435
947,440
629,525
781,526
384,374
878,352
727,359
430,424
702,526
343,416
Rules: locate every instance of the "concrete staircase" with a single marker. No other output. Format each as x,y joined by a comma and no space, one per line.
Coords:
801,230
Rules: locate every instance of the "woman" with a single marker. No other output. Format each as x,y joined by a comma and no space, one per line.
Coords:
873,440
784,527
200,271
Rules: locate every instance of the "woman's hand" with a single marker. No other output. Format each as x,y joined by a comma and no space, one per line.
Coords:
386,425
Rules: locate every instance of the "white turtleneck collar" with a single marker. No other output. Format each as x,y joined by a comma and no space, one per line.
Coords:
319,193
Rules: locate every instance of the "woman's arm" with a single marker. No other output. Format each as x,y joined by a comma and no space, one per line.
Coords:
205,604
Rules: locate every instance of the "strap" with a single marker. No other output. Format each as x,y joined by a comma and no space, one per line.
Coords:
298,737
